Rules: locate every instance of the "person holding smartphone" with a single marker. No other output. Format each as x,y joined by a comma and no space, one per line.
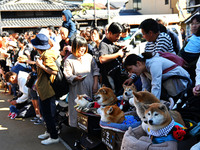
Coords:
81,71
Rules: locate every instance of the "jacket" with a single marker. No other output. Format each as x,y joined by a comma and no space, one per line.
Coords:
69,24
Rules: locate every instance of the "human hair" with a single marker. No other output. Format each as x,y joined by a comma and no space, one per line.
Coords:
133,58
8,75
115,28
78,42
197,17
22,40
198,32
98,31
5,34
149,25
126,27
162,28
50,27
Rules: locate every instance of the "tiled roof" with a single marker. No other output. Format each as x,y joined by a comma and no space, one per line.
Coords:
31,22
37,6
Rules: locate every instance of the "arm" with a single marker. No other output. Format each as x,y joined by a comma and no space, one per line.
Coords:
110,57
156,74
95,71
196,89
39,63
164,44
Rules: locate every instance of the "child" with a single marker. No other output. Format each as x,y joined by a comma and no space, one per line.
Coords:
76,66
69,24
21,101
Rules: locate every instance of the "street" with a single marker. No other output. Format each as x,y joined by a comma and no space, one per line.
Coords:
20,134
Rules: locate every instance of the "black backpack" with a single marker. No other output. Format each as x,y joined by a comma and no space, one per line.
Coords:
60,84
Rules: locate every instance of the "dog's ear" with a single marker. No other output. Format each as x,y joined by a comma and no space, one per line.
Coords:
104,91
124,86
110,110
145,106
162,107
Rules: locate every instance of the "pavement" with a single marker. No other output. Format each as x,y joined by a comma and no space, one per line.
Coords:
21,133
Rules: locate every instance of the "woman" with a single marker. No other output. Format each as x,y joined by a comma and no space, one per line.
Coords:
82,73
154,70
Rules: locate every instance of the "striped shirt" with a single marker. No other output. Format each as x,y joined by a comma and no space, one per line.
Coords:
163,43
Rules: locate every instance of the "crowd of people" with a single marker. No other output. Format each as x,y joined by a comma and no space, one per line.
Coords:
91,58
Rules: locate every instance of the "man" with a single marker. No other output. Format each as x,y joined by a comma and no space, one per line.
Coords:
110,57
20,80
46,71
156,41
173,36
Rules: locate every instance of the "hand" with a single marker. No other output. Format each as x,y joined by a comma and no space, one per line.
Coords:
128,81
39,63
120,53
13,102
94,89
79,78
196,90
1,71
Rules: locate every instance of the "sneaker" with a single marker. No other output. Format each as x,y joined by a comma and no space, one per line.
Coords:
196,146
39,121
34,119
50,141
13,116
10,114
44,136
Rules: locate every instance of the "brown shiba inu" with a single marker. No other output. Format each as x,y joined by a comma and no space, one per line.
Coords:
112,114
158,116
140,98
128,91
105,96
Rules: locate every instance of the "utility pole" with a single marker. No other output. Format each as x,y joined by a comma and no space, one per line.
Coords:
108,7
95,18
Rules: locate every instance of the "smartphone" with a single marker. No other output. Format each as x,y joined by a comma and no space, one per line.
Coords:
84,76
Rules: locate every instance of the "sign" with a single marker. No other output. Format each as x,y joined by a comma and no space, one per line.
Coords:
82,122
108,138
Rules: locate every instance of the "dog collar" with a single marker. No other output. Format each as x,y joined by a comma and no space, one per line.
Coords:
161,132
88,98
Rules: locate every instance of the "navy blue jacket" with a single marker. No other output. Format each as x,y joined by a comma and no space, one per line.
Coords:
69,24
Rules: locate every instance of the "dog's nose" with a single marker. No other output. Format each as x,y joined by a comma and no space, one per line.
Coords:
150,122
126,93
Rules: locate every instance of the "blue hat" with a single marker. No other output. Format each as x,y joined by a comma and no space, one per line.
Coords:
41,42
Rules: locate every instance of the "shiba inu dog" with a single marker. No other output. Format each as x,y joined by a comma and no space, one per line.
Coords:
158,116
128,91
82,102
112,114
85,103
105,96
140,98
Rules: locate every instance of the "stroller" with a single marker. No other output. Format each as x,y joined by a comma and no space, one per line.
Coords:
62,112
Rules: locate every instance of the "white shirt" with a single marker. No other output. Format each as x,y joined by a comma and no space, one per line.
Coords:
198,72
22,77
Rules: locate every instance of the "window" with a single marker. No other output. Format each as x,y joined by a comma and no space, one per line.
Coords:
137,4
166,2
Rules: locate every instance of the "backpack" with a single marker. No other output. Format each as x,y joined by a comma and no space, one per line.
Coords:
60,84
175,58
